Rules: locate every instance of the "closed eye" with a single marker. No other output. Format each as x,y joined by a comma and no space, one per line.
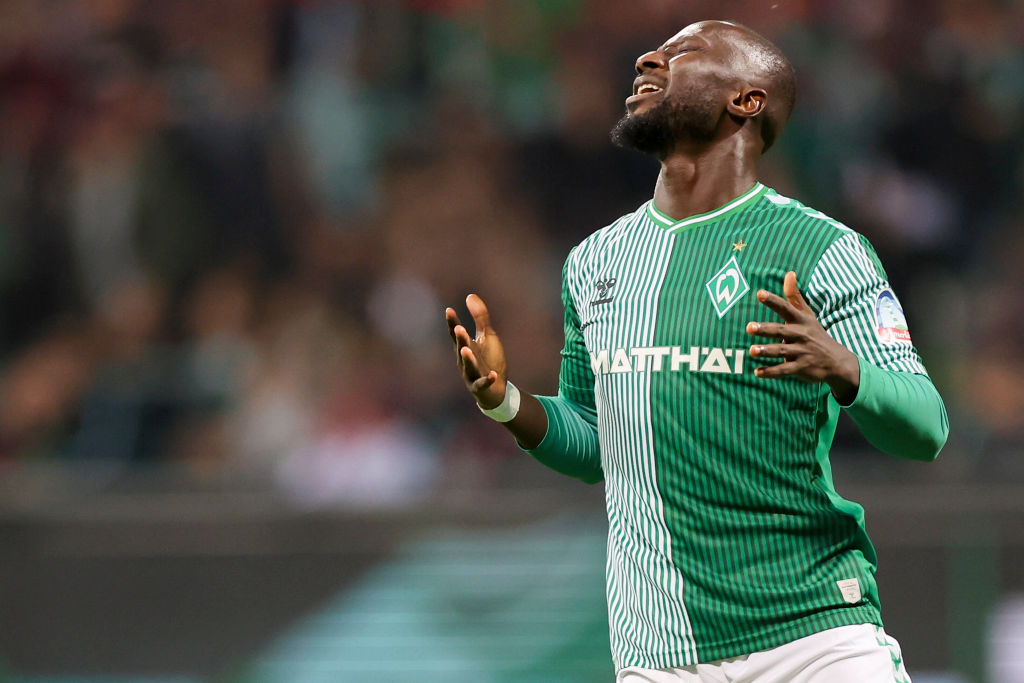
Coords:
675,51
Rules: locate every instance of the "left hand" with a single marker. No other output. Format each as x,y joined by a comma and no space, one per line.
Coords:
807,351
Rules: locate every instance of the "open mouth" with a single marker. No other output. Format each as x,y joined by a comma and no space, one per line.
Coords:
646,88
641,92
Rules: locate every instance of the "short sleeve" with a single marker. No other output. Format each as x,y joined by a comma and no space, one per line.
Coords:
576,377
571,445
856,305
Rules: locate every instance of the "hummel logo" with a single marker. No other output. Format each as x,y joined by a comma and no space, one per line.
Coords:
602,291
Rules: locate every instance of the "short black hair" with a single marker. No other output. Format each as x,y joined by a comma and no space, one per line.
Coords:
765,58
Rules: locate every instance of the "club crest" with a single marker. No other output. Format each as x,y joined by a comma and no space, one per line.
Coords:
727,286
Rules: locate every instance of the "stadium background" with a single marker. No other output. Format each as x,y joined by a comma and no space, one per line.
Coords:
233,446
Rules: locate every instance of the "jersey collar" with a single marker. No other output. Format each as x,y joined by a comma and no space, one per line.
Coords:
737,204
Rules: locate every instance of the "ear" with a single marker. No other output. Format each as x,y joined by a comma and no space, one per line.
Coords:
748,103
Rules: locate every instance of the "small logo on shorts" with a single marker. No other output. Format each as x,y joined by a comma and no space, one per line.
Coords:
850,588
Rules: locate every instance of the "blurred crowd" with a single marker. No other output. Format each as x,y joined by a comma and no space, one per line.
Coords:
229,228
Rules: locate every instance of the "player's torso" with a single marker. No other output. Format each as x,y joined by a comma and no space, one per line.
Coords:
717,506
663,312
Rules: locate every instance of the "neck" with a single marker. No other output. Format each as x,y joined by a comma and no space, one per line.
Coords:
694,182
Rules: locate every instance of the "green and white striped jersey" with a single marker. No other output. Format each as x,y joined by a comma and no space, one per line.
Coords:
726,535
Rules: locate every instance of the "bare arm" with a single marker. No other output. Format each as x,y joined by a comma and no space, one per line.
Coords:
482,364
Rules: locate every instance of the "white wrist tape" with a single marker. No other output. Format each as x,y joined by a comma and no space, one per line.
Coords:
509,407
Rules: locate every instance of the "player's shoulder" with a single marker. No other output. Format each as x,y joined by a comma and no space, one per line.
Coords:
813,232
606,237
795,215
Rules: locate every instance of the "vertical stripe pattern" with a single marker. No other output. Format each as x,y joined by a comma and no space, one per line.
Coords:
645,590
845,286
725,534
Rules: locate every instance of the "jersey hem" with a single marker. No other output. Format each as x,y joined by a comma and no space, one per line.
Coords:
786,633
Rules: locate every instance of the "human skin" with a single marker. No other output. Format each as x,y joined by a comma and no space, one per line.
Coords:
698,174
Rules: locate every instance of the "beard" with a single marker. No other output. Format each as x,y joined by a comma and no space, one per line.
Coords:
668,123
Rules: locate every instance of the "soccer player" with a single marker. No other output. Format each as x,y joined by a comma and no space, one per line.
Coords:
707,402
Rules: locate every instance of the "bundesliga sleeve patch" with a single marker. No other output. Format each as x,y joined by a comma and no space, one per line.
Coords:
890,323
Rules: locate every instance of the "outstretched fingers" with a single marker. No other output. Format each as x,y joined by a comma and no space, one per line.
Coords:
795,334
481,358
791,356
783,351
464,347
793,367
787,333
484,381
457,331
481,316
792,292
793,306
476,377
781,306
470,363
452,318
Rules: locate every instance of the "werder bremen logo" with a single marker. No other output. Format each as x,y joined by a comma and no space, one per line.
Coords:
727,286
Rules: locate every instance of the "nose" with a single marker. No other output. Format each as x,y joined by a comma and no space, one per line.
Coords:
654,59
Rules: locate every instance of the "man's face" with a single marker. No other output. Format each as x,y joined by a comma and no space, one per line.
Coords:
680,91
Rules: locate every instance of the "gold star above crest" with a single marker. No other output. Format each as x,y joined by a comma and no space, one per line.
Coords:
739,246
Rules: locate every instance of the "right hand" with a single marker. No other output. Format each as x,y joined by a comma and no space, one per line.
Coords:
481,359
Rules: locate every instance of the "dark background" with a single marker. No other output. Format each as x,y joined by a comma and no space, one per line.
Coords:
233,445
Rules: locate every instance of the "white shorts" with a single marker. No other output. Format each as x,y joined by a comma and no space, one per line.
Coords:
848,654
